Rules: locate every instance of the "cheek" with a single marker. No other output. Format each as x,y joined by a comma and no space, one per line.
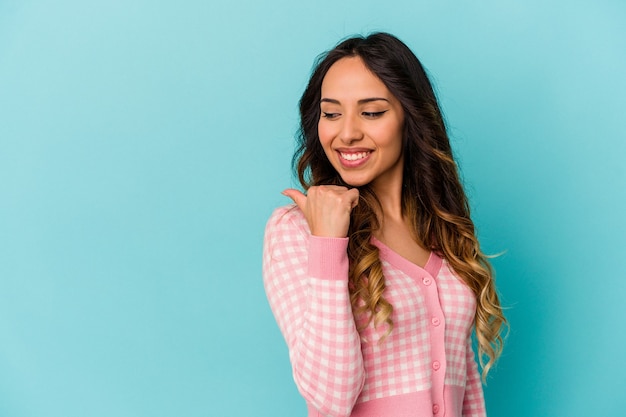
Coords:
394,132
388,136
325,133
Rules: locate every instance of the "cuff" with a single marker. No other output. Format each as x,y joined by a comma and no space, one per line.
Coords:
328,257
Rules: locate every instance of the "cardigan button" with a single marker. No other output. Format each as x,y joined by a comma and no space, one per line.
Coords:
435,321
427,281
436,365
435,408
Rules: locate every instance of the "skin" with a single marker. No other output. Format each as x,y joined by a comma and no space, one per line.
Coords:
360,129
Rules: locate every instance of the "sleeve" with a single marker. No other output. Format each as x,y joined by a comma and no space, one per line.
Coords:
306,282
473,402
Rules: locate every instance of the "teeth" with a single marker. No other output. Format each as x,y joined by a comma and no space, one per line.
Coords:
354,156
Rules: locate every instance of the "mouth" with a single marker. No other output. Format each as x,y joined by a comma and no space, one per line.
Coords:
354,156
353,159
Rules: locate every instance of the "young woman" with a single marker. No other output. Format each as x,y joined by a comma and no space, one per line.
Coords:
375,276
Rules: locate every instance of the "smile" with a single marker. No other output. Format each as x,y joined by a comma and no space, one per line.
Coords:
354,156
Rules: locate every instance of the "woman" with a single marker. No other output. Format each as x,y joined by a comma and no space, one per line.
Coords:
375,276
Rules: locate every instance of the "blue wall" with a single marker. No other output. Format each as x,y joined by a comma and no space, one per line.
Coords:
144,144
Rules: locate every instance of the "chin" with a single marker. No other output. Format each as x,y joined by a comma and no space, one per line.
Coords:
354,182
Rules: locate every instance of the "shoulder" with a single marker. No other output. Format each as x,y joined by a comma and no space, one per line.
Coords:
286,234
287,219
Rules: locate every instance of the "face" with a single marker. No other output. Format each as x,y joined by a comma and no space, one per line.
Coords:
361,126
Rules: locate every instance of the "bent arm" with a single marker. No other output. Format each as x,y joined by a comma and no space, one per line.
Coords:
306,281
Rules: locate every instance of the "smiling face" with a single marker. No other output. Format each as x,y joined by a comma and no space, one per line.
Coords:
361,126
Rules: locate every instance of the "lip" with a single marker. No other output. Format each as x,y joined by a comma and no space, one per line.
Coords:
353,163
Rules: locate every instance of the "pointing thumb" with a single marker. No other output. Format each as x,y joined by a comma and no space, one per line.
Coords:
296,196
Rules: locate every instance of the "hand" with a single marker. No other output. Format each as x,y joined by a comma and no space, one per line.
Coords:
327,208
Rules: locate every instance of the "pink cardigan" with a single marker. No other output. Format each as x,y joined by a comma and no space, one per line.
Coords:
425,367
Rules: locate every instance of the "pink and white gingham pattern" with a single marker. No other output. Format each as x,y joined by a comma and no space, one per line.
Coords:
459,305
334,366
474,401
314,312
400,364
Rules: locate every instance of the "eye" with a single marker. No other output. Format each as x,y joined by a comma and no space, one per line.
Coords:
330,116
373,115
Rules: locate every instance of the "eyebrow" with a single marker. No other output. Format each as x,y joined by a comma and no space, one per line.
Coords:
362,101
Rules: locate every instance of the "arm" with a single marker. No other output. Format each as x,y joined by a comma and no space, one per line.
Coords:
474,402
306,281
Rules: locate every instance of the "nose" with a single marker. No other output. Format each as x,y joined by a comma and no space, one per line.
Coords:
350,129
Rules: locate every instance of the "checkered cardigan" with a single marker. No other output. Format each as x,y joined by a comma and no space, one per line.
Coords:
425,367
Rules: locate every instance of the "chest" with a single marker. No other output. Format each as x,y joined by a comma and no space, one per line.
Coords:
420,299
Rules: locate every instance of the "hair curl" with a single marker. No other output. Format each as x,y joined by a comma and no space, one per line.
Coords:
433,198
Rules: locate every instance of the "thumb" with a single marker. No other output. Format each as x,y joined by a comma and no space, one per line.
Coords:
296,196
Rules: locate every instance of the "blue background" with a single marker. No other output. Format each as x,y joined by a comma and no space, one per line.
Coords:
143,145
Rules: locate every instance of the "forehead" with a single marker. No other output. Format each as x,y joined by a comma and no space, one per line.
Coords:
349,78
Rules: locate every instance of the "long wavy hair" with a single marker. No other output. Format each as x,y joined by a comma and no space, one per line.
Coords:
433,198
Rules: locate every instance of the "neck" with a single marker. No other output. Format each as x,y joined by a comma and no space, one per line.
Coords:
390,197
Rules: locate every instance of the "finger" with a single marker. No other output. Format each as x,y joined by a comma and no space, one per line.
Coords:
354,197
296,196
334,187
